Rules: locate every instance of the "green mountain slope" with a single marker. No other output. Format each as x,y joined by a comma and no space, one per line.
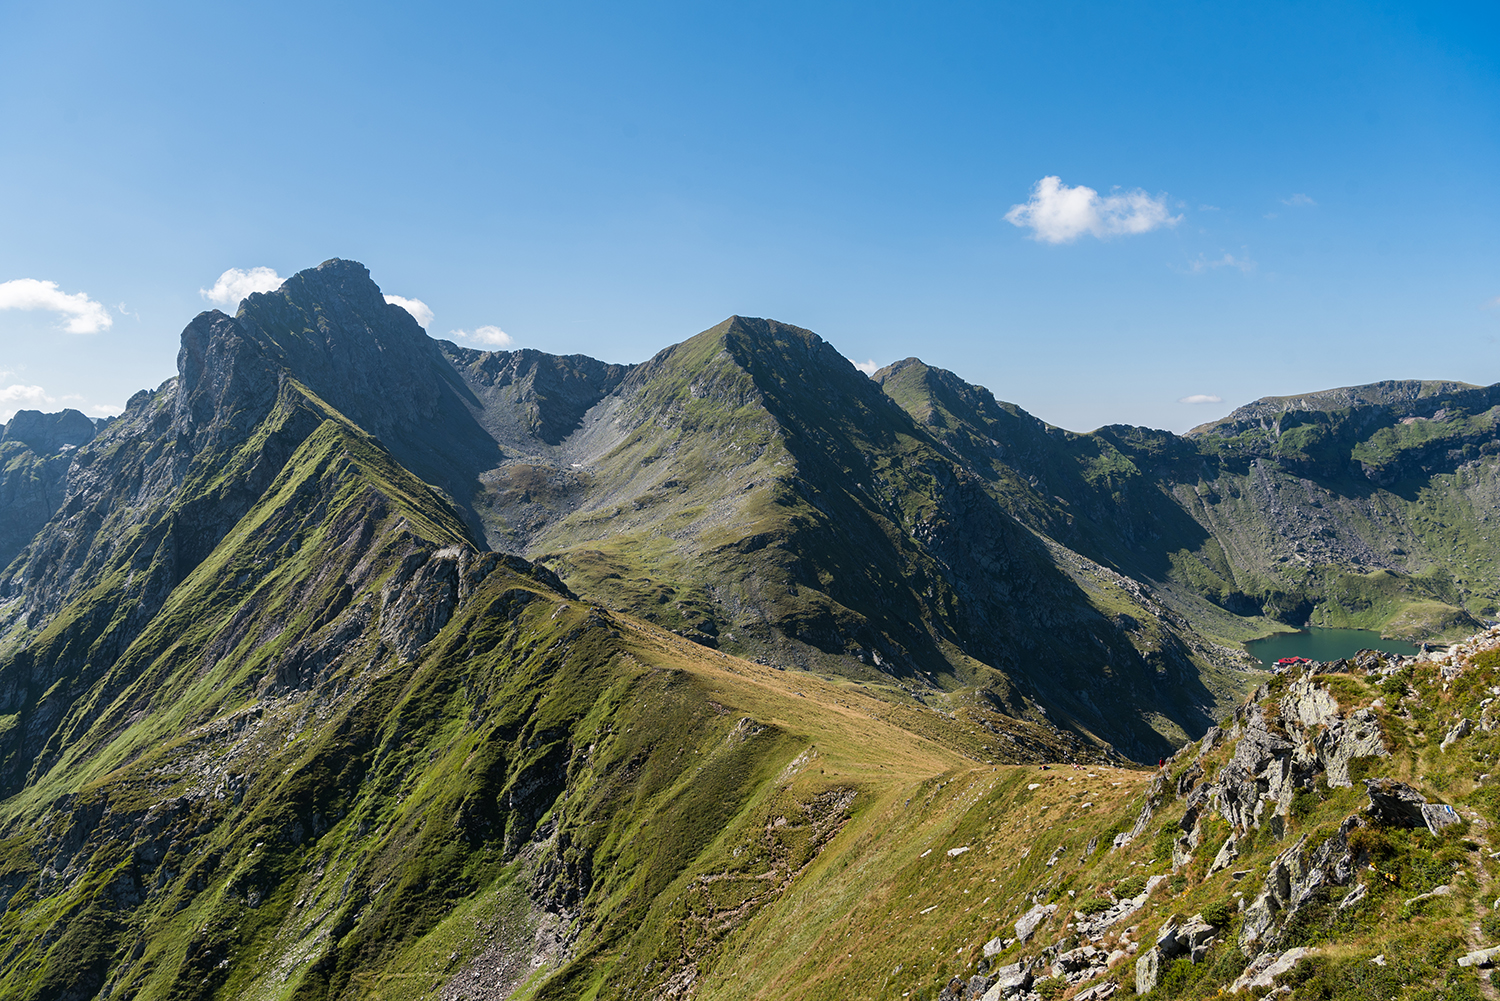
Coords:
1364,507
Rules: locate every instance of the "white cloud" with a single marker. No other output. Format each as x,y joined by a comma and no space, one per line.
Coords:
1203,264
13,398
418,309
19,397
1201,398
1298,200
867,367
1493,303
1057,213
85,316
492,336
234,284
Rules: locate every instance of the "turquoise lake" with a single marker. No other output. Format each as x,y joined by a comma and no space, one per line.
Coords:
1317,643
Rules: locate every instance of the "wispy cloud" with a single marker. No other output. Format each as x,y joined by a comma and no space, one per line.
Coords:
235,284
83,315
1203,264
418,309
21,397
1057,213
1493,303
1298,200
13,398
867,367
488,335
1201,398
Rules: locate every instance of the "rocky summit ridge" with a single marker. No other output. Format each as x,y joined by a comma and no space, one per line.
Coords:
353,663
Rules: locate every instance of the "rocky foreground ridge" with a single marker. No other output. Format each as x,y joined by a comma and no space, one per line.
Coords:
1336,839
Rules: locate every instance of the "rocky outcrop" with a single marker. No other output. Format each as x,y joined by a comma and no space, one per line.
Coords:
1303,737
1298,876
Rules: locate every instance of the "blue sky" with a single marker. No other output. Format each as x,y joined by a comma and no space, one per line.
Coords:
1285,196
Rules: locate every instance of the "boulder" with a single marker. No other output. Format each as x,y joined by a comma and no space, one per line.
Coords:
1480,957
1266,968
1228,852
1463,729
1078,965
1148,970
1098,992
1009,981
1400,805
1189,938
1026,926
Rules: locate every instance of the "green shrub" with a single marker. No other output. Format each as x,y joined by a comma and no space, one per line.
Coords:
1130,886
1220,914
1161,848
1304,801
1364,767
1093,905
1050,988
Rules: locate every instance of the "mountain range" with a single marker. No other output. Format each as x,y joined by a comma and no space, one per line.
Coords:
349,662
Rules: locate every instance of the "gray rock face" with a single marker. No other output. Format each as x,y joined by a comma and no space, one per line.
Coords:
1270,763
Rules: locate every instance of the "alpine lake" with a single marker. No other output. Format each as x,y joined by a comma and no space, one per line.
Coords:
1318,643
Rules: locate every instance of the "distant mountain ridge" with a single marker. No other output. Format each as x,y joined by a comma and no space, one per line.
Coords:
350,661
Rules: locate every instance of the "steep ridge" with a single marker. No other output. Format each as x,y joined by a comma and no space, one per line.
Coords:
156,492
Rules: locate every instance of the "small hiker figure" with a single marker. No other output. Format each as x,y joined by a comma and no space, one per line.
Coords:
1161,762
